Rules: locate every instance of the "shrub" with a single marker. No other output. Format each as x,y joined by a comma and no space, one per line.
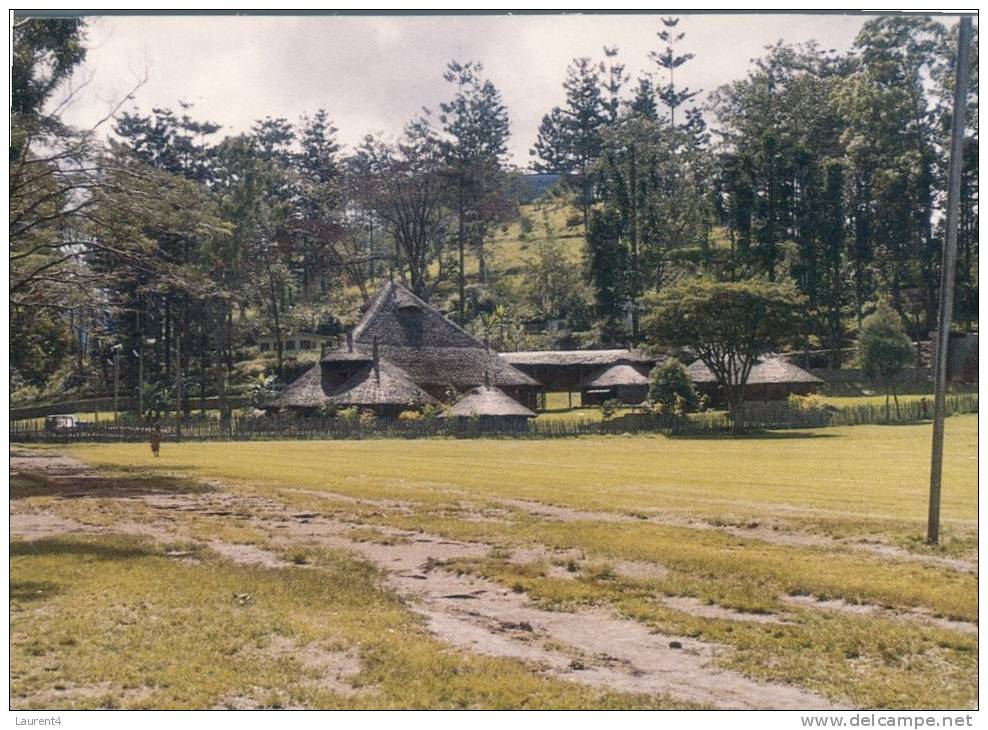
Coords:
609,408
367,418
807,403
327,411
430,412
884,348
348,414
672,387
409,416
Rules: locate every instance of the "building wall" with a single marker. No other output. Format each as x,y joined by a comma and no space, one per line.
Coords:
757,392
629,394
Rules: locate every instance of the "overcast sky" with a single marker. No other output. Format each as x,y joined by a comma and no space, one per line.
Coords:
374,73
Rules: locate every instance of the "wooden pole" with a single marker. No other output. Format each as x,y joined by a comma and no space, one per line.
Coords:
947,274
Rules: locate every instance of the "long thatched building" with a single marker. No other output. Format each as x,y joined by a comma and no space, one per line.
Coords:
404,353
772,377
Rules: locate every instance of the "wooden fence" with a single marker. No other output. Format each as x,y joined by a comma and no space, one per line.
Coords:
263,429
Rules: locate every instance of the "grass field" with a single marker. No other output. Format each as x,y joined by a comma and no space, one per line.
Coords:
862,471
799,553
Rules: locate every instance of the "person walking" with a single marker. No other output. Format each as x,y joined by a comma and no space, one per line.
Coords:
156,440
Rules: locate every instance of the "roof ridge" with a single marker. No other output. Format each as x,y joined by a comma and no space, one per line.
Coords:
372,307
393,286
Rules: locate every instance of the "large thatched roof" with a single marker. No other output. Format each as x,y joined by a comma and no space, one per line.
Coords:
427,346
488,401
613,376
599,358
767,369
389,386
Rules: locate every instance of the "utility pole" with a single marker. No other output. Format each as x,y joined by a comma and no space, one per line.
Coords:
635,276
947,274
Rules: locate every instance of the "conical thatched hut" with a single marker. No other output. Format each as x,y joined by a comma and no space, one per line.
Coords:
492,406
772,377
619,382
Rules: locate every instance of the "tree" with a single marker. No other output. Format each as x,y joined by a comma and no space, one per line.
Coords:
405,185
644,104
476,126
671,384
569,139
654,178
672,96
833,253
607,263
553,287
779,126
38,345
966,306
727,325
614,80
893,144
45,52
884,349
55,175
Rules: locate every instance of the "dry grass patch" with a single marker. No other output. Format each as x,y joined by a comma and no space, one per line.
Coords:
113,621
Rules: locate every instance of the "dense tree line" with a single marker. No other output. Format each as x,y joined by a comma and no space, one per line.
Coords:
821,167
171,245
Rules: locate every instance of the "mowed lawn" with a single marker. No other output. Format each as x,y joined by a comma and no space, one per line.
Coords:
854,472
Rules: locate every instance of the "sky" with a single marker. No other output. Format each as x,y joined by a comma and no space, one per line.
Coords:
372,74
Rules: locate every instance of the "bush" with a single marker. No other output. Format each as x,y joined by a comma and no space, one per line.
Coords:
672,388
807,403
431,412
367,418
327,411
348,414
609,408
409,416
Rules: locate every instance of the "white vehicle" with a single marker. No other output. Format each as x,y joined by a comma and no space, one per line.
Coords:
61,422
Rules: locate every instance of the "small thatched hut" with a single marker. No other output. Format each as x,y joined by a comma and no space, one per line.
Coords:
492,406
772,377
618,382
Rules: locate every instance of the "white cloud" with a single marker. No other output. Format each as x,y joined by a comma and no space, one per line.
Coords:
374,73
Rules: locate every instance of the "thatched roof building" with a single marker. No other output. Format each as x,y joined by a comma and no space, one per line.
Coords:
486,401
384,388
772,377
568,369
584,358
621,382
434,351
610,377
403,352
